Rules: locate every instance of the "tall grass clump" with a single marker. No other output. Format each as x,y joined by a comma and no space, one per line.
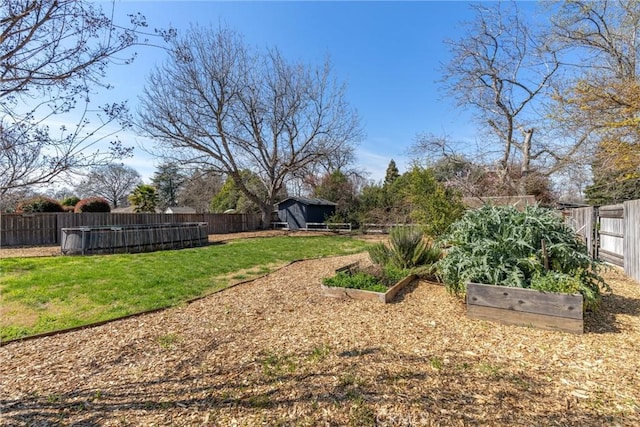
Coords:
534,248
408,249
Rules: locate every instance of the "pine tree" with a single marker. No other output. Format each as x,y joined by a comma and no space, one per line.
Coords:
168,180
392,173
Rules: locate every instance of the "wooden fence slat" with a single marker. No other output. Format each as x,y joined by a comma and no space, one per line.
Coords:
611,211
632,239
582,221
617,234
611,257
28,229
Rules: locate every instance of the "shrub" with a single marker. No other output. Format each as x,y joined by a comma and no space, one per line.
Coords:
39,204
380,254
503,246
92,204
70,201
432,203
408,249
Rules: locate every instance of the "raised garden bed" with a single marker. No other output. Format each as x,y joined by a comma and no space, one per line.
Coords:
359,294
525,307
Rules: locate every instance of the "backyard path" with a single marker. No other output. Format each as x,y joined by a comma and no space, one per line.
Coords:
275,352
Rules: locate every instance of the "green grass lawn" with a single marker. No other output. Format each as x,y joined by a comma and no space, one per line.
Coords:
46,294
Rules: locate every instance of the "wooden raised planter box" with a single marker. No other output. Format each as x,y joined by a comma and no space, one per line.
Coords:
336,292
525,307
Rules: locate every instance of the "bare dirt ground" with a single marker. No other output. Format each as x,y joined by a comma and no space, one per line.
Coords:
275,352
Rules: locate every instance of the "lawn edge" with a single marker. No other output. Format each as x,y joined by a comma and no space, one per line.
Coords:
154,310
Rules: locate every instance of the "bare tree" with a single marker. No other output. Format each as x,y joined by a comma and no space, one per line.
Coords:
602,35
597,103
305,180
114,182
199,188
53,54
502,70
218,104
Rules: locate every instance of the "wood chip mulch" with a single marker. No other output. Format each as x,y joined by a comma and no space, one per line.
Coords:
275,352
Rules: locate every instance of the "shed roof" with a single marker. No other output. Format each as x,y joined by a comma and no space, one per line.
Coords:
180,209
310,201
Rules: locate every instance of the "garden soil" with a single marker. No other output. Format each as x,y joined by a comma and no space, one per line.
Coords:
274,351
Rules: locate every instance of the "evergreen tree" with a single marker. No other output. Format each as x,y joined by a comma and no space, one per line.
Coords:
168,181
392,173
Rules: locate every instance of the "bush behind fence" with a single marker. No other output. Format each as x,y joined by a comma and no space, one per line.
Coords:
45,228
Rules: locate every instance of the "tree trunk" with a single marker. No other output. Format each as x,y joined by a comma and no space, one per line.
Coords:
525,169
265,216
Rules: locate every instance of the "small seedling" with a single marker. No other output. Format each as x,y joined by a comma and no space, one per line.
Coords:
436,362
167,341
319,353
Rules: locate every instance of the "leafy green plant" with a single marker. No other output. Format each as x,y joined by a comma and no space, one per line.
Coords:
374,278
357,280
380,254
407,249
432,203
504,246
391,274
436,362
319,353
70,201
553,281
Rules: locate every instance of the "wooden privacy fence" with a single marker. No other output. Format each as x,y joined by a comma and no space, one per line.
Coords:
45,228
612,233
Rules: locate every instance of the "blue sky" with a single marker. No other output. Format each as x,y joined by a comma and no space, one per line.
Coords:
388,53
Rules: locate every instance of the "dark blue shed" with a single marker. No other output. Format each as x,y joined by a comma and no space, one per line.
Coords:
298,211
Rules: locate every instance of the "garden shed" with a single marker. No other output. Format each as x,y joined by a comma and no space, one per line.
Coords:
297,212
